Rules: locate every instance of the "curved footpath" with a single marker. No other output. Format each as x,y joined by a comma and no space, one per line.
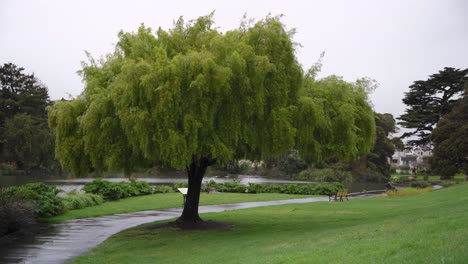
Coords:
61,242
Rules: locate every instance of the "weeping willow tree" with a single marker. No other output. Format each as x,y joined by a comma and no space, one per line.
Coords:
192,96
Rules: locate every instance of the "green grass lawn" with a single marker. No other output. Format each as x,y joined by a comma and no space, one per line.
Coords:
426,228
165,201
431,177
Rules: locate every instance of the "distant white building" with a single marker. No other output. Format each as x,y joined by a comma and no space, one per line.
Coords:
410,159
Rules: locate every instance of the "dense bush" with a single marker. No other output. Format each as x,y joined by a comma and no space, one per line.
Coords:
325,175
109,190
45,198
16,212
117,190
136,188
446,183
307,189
370,175
163,189
75,200
290,163
180,185
420,184
6,168
236,167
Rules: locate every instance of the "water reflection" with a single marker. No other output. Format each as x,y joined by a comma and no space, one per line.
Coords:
68,183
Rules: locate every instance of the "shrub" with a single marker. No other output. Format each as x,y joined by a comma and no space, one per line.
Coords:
142,187
135,188
446,183
327,188
76,200
163,189
7,168
272,172
232,187
180,185
45,198
420,184
370,175
16,212
305,189
400,178
211,185
109,190
287,164
117,190
325,175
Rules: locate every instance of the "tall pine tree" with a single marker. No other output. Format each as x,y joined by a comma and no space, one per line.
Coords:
429,100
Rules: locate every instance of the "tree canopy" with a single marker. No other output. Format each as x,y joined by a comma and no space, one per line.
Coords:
429,100
24,135
450,138
384,147
192,96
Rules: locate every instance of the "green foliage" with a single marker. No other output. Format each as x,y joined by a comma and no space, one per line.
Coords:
24,135
163,189
28,141
451,141
237,167
325,175
16,212
370,174
7,168
117,190
289,163
420,184
75,200
334,120
383,148
305,189
180,185
45,198
21,93
401,178
398,143
109,190
430,100
192,92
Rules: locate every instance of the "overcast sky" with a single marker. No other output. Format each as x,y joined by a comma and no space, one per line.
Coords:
394,42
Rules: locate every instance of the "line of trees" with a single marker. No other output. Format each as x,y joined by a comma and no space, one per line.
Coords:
25,138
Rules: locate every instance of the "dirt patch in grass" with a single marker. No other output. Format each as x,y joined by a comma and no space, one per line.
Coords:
200,225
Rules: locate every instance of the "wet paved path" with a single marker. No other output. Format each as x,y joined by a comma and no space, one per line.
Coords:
61,242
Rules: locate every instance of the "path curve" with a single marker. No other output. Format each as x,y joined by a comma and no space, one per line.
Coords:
61,242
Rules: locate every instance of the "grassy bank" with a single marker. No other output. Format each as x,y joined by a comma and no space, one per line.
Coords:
430,177
165,201
426,228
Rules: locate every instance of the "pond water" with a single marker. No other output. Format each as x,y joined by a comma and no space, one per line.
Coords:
68,183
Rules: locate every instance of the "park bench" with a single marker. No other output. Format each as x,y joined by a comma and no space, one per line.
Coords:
339,195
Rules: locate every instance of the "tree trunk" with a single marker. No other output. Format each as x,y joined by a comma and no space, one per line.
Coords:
195,173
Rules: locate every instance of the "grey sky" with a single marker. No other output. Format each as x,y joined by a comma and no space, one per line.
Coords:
394,42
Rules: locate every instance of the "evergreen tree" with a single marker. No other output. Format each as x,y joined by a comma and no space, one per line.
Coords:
24,135
429,100
450,138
